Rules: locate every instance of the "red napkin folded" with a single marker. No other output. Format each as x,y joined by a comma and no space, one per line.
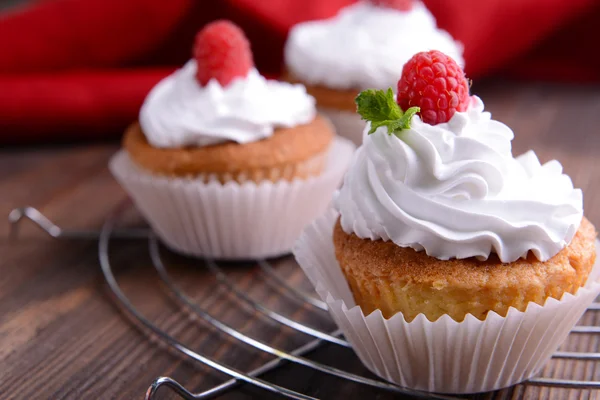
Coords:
81,68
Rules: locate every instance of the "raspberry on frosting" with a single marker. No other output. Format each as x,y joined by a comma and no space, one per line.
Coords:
436,84
222,52
400,5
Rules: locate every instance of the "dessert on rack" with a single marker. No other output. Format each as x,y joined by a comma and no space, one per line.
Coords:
443,242
221,156
363,47
439,210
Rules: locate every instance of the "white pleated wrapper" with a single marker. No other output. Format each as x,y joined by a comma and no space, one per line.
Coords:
444,356
347,124
231,221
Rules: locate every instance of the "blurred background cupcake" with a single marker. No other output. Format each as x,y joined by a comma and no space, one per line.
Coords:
364,46
222,158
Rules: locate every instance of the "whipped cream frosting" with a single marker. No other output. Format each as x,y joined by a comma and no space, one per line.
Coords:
179,112
364,46
455,191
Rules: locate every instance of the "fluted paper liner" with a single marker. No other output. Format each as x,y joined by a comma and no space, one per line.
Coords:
347,123
444,356
232,220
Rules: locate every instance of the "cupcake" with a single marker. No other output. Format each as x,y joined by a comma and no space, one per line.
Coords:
363,47
222,162
445,244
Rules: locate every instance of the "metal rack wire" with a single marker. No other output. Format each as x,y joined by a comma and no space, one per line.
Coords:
252,377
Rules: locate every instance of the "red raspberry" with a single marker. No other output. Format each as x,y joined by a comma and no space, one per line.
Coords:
222,52
400,5
434,82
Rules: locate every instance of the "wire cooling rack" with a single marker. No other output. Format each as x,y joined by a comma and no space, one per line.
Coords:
253,377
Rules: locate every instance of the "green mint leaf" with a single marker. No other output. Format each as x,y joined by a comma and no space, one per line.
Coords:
390,123
377,105
380,108
395,110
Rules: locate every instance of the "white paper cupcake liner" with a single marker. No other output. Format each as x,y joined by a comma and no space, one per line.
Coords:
444,356
347,124
231,221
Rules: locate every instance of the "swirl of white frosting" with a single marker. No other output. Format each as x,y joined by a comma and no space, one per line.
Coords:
179,112
364,46
455,191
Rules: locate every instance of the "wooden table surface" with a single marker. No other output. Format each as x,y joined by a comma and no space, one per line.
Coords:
61,337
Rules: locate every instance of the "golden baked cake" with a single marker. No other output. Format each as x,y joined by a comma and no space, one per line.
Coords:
364,46
337,99
437,216
395,279
290,153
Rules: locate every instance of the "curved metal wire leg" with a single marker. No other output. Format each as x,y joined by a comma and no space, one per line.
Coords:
171,384
132,311
179,294
17,215
267,367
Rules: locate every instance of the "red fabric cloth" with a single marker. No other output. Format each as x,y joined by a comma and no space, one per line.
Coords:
81,68
72,105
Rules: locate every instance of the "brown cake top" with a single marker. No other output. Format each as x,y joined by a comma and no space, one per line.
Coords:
285,146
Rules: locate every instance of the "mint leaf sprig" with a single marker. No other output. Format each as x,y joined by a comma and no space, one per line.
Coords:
380,108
